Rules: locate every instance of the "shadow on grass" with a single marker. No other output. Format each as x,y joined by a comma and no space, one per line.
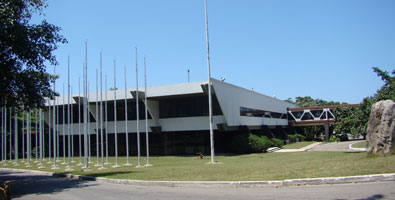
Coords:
106,174
354,152
25,184
373,197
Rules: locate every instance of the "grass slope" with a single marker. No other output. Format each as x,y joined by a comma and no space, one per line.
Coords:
361,144
298,145
250,167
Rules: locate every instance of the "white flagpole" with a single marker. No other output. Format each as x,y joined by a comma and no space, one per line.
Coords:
41,166
137,117
68,168
209,89
146,113
23,135
10,147
57,130
49,131
126,123
36,116
115,118
97,120
106,114
89,127
72,129
5,136
64,124
28,139
86,167
79,120
54,123
101,112
9,131
16,137
2,134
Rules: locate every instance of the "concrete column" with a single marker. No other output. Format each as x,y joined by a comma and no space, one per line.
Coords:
328,132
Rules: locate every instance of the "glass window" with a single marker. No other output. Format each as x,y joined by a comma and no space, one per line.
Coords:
187,107
251,112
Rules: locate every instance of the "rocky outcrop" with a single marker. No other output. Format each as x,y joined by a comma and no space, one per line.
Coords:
381,127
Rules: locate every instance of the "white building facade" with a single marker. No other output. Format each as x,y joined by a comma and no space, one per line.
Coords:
178,121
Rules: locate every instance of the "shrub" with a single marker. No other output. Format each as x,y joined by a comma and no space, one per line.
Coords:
259,144
293,137
301,137
334,139
267,143
255,142
277,142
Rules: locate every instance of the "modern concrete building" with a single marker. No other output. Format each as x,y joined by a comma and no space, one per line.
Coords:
178,116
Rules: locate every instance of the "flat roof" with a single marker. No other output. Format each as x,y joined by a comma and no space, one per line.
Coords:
152,91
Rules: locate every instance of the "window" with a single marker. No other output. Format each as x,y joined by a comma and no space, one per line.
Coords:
251,112
187,107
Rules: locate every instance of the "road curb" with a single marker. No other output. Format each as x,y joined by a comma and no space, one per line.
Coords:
234,184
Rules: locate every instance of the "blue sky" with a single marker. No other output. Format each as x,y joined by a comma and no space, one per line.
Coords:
323,49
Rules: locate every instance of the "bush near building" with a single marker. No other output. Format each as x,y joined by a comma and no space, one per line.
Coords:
251,143
296,138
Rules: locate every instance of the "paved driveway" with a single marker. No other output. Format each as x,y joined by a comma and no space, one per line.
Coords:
31,186
336,146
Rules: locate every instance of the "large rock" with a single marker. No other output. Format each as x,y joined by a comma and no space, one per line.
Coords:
381,127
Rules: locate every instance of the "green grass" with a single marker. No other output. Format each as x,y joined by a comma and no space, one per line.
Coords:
249,167
298,145
361,144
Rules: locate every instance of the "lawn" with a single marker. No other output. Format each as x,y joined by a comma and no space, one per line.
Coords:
249,167
298,145
361,144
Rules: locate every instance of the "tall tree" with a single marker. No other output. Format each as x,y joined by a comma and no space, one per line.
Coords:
387,91
354,120
25,49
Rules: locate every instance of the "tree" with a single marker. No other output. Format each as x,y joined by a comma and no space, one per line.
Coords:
25,49
387,91
350,119
355,119
307,101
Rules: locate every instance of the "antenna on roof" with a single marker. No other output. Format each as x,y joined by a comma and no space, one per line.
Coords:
188,74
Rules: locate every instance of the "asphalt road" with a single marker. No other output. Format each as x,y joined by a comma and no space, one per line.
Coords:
31,186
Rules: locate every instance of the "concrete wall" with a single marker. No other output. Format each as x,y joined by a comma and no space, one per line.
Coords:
231,98
168,125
